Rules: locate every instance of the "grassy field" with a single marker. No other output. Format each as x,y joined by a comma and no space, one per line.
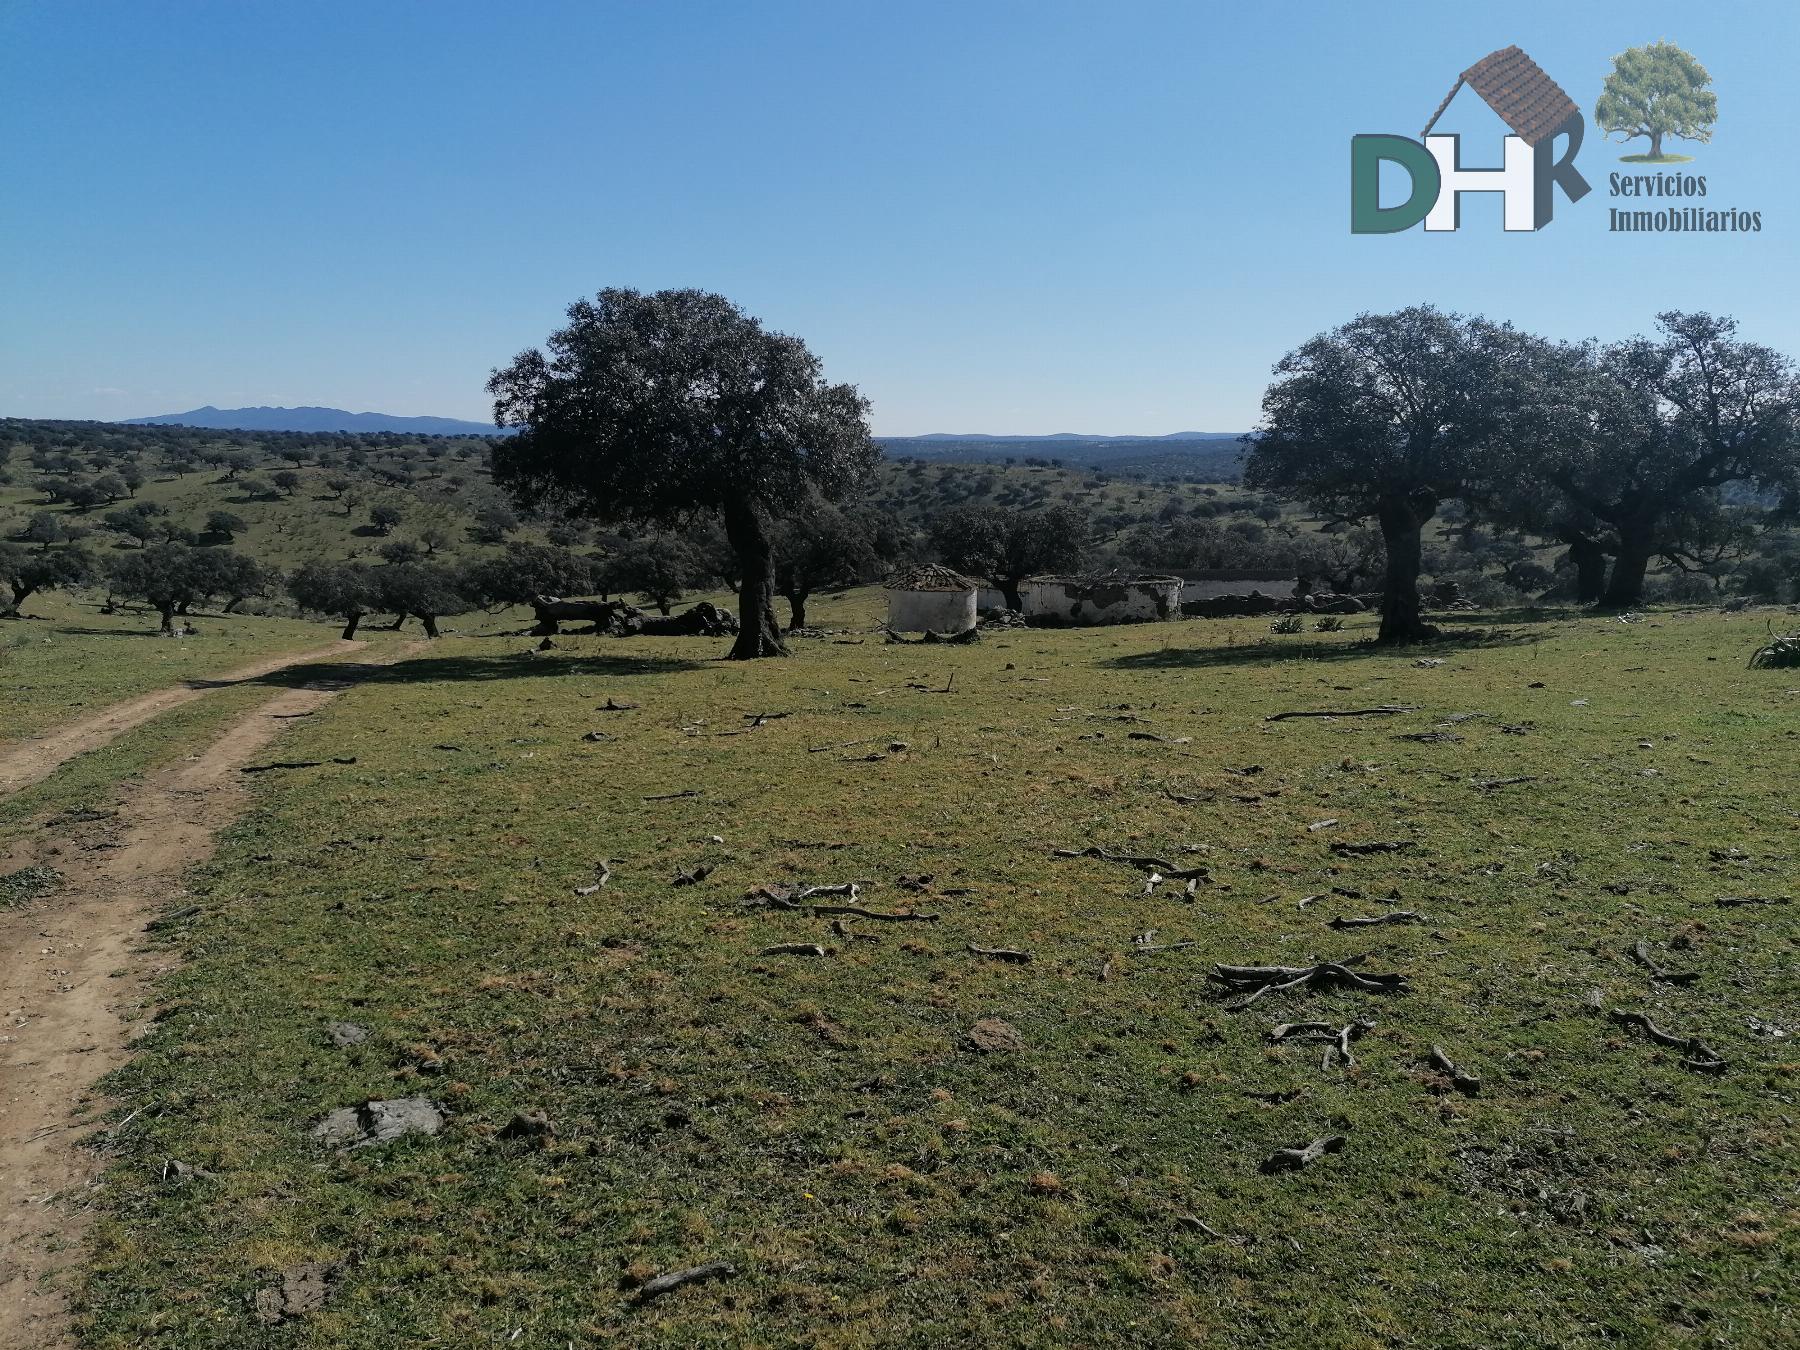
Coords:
825,1124
77,660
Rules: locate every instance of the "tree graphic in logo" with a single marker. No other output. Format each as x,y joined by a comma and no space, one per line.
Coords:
1657,91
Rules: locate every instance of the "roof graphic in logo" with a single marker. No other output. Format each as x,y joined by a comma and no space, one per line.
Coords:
1518,90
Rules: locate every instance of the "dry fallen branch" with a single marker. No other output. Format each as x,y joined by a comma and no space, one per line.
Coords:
1641,953
858,912
692,876
1260,980
1385,710
794,949
1144,860
296,764
1700,1055
1346,850
841,745
1337,1038
674,796
1200,1225
1729,900
1392,916
1291,1159
602,875
1001,953
674,1279
1460,1079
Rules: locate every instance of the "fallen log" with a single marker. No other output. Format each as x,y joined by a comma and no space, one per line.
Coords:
612,616
794,949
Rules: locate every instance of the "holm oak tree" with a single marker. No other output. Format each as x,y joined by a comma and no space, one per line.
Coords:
660,407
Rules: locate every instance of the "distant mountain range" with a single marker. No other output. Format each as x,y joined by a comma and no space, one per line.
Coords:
1206,456
314,419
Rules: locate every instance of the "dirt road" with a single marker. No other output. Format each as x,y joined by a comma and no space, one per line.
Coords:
70,964
25,762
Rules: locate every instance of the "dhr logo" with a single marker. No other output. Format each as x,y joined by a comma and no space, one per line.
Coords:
1529,102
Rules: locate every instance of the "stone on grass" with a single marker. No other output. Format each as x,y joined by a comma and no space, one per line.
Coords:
346,1034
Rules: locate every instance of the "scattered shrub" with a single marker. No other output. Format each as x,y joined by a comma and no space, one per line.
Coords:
1329,623
1288,623
1781,653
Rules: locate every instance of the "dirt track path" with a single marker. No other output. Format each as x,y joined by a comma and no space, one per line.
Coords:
25,762
70,965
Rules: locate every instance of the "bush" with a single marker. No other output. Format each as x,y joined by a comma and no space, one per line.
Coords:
1681,588
1330,623
1781,653
1288,623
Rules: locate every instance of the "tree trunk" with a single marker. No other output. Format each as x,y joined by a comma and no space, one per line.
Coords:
1590,569
1626,588
1402,523
1656,144
350,621
20,595
796,611
662,608
758,632
398,623
167,611
430,622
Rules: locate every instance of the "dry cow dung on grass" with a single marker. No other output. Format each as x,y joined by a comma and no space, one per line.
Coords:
379,1122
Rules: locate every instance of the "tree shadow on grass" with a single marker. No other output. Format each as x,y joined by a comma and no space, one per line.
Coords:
467,669
1268,652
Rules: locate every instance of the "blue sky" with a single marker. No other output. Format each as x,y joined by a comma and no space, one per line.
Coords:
1028,217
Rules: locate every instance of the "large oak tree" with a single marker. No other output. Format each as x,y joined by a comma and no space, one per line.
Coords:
1669,421
658,407
1389,416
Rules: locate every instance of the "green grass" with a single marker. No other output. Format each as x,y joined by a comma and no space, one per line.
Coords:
821,1123
78,660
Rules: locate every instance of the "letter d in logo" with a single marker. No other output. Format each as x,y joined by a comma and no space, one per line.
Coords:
1367,215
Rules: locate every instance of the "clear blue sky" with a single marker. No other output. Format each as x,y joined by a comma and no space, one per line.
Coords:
1024,217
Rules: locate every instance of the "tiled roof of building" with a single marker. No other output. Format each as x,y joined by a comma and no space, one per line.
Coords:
1516,88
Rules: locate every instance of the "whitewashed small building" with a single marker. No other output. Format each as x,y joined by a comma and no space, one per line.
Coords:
931,599
1099,600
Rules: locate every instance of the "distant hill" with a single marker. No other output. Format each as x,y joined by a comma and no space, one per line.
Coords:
1189,456
313,419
